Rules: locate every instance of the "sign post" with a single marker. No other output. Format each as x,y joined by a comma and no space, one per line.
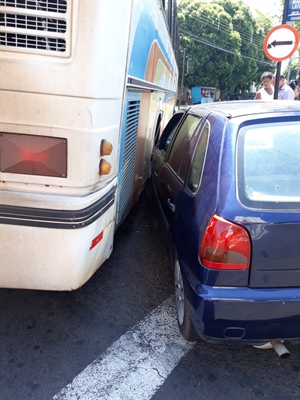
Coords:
278,69
283,40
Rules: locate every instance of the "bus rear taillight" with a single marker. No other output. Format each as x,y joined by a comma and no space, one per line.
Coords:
225,245
33,155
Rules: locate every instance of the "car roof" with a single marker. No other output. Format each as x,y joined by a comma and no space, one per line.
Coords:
232,109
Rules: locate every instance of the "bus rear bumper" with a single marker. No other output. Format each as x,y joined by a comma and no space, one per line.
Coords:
55,249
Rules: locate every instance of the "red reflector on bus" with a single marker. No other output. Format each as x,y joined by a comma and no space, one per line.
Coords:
33,155
96,240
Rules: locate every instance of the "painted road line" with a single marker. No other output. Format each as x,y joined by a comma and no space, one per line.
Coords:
137,364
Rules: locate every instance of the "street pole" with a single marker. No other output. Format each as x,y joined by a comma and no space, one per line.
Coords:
182,77
278,70
289,69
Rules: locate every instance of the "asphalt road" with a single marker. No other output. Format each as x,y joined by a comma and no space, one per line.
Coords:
47,338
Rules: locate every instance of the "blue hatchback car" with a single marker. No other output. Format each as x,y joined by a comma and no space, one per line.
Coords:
227,177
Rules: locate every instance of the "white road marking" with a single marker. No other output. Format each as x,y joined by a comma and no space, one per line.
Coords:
136,365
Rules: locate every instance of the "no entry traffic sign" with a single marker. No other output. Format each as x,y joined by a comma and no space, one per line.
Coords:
281,42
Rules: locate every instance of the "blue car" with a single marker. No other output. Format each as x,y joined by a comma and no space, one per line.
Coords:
227,179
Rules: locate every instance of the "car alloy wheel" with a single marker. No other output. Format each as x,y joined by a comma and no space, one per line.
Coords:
185,323
179,293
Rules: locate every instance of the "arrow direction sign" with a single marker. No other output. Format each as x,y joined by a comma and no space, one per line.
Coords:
281,42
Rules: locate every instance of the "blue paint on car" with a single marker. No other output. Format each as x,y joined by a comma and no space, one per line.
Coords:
227,178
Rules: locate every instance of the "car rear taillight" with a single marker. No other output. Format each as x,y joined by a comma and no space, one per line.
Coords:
33,155
225,245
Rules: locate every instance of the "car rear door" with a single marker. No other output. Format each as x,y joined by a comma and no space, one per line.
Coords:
269,186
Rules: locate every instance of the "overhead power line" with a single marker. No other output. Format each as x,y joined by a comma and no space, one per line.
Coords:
216,46
224,28
218,24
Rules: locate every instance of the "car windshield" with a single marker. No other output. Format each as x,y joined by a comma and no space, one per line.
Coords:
269,165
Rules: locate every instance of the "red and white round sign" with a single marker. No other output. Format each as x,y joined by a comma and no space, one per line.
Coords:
281,42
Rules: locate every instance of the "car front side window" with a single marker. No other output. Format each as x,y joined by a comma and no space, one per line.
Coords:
168,133
182,140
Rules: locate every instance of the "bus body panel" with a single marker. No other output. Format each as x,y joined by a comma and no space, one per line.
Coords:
95,67
152,81
80,122
117,55
50,258
66,262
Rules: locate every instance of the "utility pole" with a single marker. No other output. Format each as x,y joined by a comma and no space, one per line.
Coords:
182,77
289,69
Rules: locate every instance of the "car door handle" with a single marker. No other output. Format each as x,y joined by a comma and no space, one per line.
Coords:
171,205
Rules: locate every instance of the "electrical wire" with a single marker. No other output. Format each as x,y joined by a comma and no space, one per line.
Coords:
242,32
214,45
224,28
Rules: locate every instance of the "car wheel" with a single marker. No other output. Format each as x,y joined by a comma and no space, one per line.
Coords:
183,307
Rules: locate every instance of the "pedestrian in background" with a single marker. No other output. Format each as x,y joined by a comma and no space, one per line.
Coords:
267,91
284,91
294,85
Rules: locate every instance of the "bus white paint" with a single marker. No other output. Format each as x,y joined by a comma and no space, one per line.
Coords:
84,88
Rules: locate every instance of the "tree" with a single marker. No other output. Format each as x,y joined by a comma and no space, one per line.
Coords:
292,71
252,32
205,29
224,41
263,25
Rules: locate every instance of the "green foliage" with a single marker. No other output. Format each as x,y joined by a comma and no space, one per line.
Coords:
294,70
225,42
297,26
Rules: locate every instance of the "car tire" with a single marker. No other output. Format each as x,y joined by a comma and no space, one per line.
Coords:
185,323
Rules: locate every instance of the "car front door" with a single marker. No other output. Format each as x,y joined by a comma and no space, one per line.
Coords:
160,151
173,172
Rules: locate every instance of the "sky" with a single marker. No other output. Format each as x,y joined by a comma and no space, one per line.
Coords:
264,6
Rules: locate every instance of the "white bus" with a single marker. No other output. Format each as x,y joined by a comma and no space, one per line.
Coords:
85,85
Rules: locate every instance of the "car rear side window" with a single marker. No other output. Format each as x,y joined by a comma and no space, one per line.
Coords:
198,160
269,166
181,142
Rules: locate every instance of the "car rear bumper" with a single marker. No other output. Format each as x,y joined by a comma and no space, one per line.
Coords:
243,315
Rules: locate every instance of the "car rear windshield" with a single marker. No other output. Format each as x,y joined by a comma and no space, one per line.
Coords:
268,166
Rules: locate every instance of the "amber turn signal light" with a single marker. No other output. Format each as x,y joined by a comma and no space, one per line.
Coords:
106,148
104,167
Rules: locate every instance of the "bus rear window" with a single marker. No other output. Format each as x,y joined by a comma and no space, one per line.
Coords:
268,166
